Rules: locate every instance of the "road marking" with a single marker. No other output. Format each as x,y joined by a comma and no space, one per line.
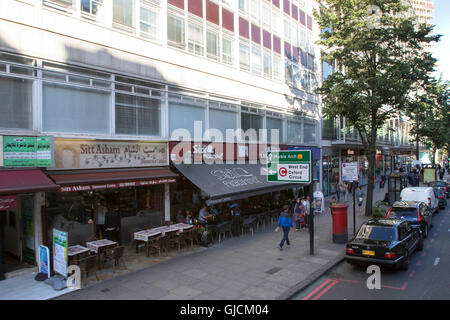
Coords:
403,287
412,273
436,261
326,289
328,282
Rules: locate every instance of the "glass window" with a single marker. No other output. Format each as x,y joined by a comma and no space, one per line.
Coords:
92,7
137,115
195,38
256,60
227,50
212,44
251,121
149,23
266,16
273,124
287,30
288,73
309,131
243,5
222,120
182,116
255,11
244,56
267,57
16,107
277,67
123,12
64,3
294,132
175,31
276,21
77,110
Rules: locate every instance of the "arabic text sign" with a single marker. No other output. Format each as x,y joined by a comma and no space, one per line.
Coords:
289,166
27,151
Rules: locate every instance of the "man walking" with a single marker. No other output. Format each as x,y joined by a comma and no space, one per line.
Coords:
285,222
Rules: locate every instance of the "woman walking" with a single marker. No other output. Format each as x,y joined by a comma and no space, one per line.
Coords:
285,222
360,198
299,215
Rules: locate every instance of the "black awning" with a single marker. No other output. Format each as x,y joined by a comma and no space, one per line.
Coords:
226,182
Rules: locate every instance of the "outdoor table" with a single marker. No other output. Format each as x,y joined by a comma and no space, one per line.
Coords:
74,252
99,247
182,226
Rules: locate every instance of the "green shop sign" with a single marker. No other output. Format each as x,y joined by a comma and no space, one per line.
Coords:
21,152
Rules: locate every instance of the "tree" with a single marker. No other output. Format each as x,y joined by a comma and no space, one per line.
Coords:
379,56
433,118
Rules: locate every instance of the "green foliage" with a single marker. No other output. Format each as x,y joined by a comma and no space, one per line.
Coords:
378,59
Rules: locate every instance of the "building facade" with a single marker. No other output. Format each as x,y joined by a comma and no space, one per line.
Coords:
109,84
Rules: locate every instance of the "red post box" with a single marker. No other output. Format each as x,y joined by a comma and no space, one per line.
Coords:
339,214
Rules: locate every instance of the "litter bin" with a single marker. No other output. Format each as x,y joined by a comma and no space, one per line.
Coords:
339,214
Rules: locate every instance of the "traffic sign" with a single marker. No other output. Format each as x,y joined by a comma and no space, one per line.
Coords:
289,166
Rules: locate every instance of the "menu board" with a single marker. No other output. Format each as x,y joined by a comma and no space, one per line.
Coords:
60,252
27,151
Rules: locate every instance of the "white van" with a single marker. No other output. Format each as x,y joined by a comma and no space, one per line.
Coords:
424,194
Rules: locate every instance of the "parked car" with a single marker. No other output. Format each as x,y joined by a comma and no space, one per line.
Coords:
443,185
442,199
417,213
424,194
386,242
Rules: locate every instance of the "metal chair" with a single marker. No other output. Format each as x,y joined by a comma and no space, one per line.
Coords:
223,228
87,265
249,223
116,255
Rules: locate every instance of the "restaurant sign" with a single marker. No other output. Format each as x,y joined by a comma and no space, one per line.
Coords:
27,151
8,202
86,154
92,187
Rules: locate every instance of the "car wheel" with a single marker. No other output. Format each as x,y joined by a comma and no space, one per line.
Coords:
406,261
425,232
420,245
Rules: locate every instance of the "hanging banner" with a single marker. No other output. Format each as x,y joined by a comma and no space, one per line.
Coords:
60,252
44,260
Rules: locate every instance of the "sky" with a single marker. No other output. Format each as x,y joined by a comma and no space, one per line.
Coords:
441,50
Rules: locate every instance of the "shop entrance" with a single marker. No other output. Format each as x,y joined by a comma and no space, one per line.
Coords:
17,235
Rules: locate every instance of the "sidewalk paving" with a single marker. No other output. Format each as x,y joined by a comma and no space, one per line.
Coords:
240,268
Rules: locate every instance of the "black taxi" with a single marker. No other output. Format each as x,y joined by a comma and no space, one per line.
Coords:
386,242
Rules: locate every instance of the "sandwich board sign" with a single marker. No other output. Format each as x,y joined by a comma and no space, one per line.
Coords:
289,166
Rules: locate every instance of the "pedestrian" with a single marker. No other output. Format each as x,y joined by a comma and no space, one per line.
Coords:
345,190
333,202
337,187
285,222
299,214
360,198
307,204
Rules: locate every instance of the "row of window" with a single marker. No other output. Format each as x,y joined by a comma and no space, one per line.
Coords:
96,103
198,36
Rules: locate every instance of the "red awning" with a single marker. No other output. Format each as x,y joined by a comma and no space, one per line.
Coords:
82,180
24,181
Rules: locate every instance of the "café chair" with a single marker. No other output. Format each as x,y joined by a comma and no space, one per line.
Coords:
87,265
177,239
155,243
224,228
116,255
191,235
132,240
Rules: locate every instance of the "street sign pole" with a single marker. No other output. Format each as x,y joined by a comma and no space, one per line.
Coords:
354,214
311,220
